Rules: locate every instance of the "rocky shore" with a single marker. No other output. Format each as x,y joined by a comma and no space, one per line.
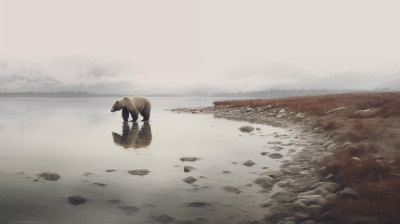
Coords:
300,195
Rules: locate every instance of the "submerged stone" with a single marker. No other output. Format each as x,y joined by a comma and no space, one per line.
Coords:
129,209
49,176
164,218
99,184
232,189
76,199
198,204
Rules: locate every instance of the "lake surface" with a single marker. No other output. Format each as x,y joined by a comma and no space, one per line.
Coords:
80,139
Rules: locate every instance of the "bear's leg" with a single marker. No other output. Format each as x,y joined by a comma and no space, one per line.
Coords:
125,115
145,116
146,112
134,117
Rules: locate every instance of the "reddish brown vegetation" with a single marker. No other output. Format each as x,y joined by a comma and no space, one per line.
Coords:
389,103
376,182
370,161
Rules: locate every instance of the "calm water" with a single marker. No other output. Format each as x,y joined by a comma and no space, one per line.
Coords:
80,139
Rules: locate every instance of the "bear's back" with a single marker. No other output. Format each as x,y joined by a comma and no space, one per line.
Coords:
141,102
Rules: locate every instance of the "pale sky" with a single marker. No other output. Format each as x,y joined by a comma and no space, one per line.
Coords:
230,44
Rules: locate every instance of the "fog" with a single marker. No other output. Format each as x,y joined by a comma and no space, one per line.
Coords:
180,46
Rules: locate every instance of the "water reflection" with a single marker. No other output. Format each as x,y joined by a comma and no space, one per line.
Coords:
133,137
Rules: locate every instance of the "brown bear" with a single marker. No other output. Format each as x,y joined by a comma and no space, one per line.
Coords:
134,106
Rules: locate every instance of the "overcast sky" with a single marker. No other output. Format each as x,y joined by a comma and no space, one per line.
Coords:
229,44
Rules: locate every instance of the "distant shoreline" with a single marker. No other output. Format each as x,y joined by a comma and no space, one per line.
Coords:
265,94
34,95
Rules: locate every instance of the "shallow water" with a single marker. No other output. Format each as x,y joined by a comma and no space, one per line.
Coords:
80,139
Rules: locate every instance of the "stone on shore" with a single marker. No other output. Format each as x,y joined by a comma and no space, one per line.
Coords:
313,200
347,193
332,187
265,182
336,110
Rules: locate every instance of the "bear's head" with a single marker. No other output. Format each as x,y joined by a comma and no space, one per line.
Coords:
116,106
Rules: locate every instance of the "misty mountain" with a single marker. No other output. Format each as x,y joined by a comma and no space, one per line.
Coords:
84,75
257,78
30,77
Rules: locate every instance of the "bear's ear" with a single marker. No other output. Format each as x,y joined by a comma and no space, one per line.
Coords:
116,102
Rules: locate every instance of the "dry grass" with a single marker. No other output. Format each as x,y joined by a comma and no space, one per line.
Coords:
377,185
388,102
371,126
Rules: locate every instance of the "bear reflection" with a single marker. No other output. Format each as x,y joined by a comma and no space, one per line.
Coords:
133,137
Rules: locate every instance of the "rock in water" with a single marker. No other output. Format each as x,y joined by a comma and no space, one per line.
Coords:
140,172
232,189
198,204
48,176
129,209
99,184
164,218
76,199
188,159
247,129
189,180
187,169
249,163
275,155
